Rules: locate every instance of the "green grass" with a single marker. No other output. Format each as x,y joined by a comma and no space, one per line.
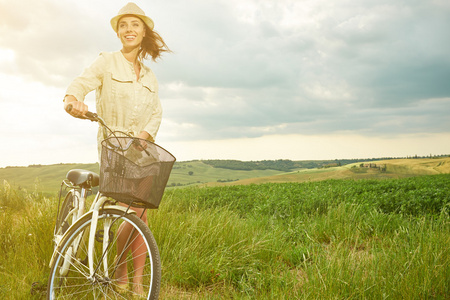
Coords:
334,239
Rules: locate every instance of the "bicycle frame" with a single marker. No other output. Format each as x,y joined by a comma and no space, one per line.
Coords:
90,244
77,213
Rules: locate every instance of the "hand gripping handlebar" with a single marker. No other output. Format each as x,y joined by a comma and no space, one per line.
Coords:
89,115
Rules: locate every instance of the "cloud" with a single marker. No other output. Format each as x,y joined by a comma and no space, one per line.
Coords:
339,66
246,68
52,40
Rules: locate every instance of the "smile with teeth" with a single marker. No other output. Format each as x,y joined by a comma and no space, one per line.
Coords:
130,37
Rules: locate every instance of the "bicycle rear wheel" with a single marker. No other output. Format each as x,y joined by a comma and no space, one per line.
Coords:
70,276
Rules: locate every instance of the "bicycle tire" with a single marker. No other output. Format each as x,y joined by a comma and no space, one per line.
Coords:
75,284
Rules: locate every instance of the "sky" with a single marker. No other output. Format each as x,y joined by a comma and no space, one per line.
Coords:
247,79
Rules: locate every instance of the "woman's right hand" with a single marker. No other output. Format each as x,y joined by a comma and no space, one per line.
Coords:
77,108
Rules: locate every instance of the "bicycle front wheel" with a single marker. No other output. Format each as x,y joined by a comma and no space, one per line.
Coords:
125,261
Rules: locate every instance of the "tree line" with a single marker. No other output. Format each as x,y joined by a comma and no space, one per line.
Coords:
286,165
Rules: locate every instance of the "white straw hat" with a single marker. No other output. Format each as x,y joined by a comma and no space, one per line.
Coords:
131,9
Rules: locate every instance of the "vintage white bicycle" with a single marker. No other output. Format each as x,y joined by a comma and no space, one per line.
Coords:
91,245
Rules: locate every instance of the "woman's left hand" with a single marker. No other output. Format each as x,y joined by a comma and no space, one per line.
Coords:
143,136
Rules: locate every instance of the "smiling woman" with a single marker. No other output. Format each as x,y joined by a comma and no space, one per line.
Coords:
127,100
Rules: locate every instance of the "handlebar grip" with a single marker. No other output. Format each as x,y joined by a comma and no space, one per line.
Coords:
88,115
69,108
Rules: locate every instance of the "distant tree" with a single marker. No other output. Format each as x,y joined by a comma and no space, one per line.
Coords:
190,173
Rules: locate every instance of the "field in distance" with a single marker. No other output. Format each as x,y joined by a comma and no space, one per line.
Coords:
377,169
47,178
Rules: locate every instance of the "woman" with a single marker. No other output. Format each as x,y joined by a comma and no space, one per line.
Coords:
127,99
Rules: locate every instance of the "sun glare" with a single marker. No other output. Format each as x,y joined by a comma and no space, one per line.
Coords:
7,55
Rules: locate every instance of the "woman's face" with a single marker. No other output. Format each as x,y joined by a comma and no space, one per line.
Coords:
130,31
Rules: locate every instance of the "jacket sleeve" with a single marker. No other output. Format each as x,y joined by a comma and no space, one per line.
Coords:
152,126
89,80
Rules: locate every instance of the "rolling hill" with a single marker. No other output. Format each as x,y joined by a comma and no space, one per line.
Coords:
47,178
381,169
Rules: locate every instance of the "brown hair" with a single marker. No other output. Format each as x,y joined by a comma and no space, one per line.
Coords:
152,44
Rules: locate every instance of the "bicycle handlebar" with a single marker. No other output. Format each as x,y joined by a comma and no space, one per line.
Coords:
95,118
89,115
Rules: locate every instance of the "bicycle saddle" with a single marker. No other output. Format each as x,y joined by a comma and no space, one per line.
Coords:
83,178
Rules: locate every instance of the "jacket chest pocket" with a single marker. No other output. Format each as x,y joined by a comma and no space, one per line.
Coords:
121,89
148,92
128,94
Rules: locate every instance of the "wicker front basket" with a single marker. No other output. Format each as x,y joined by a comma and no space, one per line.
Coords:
134,171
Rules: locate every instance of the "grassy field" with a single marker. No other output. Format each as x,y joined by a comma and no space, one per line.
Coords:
203,173
45,178
331,239
48,178
395,168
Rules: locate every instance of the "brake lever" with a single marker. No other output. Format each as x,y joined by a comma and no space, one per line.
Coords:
137,143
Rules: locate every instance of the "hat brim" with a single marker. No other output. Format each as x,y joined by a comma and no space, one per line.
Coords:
145,19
